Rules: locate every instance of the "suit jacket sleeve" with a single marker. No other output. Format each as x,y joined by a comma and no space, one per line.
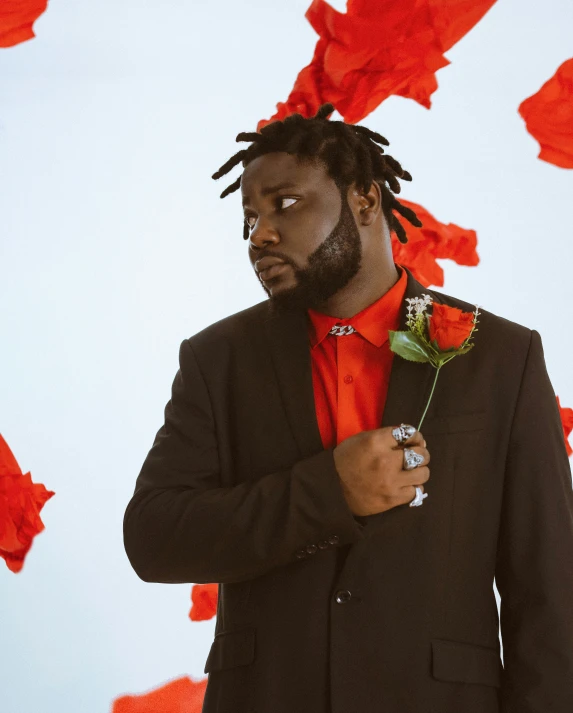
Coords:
181,525
534,569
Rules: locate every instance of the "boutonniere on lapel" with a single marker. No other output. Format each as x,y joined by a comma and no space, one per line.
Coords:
435,338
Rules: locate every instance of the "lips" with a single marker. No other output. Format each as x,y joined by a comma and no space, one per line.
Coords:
265,262
272,271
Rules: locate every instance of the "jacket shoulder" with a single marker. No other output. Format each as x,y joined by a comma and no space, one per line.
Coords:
233,326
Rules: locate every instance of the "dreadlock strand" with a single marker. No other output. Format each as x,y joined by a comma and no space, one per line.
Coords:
367,169
394,165
398,228
232,188
324,111
375,136
390,177
233,161
249,136
408,213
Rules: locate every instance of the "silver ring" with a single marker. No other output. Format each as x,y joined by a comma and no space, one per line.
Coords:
402,432
412,459
419,499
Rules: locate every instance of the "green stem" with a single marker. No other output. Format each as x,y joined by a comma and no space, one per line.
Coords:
430,397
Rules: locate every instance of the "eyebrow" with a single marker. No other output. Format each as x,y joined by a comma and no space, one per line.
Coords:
271,189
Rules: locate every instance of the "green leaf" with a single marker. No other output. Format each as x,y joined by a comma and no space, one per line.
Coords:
466,349
446,356
408,346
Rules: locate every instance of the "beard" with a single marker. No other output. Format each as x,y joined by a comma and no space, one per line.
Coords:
330,268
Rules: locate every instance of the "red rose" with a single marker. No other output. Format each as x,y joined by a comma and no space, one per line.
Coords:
450,326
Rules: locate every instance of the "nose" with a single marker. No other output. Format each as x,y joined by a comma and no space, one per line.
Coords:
263,233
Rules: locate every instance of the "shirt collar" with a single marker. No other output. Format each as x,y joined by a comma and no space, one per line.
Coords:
373,322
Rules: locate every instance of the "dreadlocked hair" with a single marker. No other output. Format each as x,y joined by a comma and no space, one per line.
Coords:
351,154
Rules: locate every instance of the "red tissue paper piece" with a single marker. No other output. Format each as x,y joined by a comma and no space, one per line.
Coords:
567,423
182,695
548,117
433,240
377,49
20,505
204,598
17,18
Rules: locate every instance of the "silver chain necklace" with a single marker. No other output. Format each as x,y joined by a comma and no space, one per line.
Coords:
340,330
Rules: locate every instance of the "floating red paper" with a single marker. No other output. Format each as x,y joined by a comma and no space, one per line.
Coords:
548,117
204,598
182,695
377,49
567,423
17,18
20,504
433,240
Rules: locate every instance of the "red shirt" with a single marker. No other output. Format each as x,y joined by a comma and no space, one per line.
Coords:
350,373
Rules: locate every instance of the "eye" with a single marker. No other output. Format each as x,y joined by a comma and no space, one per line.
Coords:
279,201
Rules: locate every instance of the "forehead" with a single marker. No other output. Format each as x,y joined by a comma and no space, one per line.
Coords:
278,167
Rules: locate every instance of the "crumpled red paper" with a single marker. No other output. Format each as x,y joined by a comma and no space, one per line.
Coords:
377,49
433,240
20,505
548,117
182,695
567,423
204,598
17,18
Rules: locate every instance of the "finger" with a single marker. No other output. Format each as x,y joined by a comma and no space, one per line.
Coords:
419,450
418,476
414,492
415,438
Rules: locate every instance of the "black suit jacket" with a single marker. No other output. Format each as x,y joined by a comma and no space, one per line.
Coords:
321,611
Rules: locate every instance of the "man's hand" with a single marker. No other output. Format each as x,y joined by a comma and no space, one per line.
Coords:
370,465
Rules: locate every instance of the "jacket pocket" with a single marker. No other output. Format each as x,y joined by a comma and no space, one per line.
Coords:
230,649
468,663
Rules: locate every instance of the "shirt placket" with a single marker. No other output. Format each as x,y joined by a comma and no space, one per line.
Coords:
345,386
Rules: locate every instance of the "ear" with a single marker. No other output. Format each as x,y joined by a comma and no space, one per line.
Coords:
366,206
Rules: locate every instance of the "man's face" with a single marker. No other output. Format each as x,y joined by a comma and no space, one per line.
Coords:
307,225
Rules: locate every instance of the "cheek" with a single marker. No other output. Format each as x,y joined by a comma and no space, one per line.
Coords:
309,228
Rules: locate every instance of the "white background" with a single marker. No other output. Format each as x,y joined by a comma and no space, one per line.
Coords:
115,246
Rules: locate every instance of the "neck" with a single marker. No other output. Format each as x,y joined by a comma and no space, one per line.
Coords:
362,291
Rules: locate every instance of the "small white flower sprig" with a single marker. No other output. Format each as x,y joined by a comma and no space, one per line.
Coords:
435,338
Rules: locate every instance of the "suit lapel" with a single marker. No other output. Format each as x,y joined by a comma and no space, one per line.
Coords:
287,334
288,339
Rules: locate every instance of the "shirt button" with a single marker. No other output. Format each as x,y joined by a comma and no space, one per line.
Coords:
333,539
300,554
311,549
348,379
343,596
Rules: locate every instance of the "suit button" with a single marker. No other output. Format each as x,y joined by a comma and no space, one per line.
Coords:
323,544
343,596
311,549
300,554
333,539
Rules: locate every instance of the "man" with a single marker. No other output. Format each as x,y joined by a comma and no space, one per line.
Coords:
284,470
